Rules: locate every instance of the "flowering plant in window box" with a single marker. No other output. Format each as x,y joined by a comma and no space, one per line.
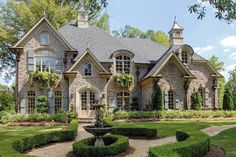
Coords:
123,80
45,79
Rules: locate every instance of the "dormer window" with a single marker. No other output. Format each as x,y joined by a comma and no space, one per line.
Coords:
87,69
184,57
122,64
44,38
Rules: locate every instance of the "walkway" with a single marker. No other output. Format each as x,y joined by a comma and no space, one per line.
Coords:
138,147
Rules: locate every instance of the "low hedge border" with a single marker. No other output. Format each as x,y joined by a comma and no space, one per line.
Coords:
85,148
147,132
41,139
190,144
170,115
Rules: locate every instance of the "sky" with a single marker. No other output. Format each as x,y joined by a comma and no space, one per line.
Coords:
208,37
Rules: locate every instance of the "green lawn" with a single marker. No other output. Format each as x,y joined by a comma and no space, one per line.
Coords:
8,134
227,141
169,128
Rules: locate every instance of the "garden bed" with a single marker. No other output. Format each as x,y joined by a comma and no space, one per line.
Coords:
36,124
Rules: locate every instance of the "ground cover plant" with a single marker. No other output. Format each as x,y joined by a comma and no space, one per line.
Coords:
226,140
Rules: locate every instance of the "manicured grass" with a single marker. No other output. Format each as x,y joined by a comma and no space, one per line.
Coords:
227,141
169,128
8,134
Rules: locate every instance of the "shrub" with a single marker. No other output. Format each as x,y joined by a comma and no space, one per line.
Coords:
42,104
157,99
61,116
134,105
228,100
45,138
147,132
191,144
196,100
71,115
174,114
115,145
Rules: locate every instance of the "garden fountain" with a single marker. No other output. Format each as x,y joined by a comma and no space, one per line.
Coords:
98,129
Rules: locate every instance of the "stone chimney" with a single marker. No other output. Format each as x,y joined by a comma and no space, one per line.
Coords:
176,35
82,17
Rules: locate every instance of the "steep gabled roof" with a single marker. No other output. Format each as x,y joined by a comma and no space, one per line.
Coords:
87,51
163,61
44,19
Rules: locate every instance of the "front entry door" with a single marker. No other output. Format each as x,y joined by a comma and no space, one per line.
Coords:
87,99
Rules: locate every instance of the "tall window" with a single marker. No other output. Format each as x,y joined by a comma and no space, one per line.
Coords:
45,61
171,99
58,100
84,101
123,100
31,101
87,69
44,38
87,100
184,57
122,64
202,93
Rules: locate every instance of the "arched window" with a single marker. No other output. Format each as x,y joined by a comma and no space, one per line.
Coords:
44,38
45,61
123,100
171,99
201,90
58,100
87,69
122,64
184,56
31,101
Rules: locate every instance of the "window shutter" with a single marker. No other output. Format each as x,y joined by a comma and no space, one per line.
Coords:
30,60
58,63
23,101
177,103
166,100
65,100
206,97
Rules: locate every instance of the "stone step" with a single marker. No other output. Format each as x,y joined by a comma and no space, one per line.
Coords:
86,120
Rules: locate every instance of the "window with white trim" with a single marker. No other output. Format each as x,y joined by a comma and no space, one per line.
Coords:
171,99
87,69
58,100
122,64
44,38
202,93
84,101
92,100
88,99
31,101
184,56
45,61
123,100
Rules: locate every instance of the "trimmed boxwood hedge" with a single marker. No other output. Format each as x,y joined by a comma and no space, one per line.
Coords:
147,132
114,144
45,138
191,144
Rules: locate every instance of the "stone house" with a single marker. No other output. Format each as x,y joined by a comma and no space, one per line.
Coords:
86,58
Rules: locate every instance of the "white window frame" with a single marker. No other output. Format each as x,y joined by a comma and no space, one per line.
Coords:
184,57
31,101
40,56
123,96
58,96
44,41
89,98
123,61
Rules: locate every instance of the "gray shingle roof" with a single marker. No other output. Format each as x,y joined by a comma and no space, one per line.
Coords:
102,44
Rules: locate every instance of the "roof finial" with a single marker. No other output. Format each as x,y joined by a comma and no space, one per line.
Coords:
81,6
175,19
44,13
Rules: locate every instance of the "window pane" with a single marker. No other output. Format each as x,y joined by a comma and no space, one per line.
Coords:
92,100
44,38
31,102
118,66
171,99
84,101
87,69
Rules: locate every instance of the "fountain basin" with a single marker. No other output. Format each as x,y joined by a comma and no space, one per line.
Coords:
98,130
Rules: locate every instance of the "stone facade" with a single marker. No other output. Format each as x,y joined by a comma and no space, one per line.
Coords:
77,89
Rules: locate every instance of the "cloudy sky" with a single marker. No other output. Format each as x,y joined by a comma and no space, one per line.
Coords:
208,36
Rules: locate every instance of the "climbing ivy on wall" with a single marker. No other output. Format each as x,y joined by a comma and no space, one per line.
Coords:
123,80
45,80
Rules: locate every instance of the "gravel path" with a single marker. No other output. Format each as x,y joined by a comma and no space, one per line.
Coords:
138,147
215,130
